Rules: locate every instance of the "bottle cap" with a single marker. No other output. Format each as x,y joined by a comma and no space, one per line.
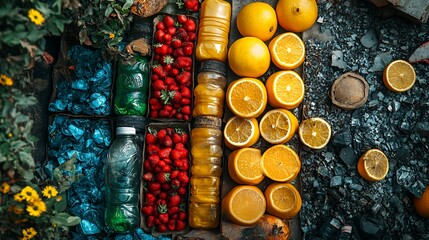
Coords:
208,121
336,223
346,229
213,66
125,131
138,122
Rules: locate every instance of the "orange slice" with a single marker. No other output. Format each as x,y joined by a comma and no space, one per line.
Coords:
244,166
280,163
283,200
244,205
278,126
314,132
399,76
240,132
246,97
373,165
287,51
285,89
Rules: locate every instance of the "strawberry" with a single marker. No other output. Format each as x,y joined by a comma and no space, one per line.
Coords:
154,104
176,43
166,168
188,50
154,77
174,200
161,134
163,217
182,215
171,224
148,176
192,36
181,34
180,145
185,165
163,195
153,114
182,191
167,140
186,92
162,227
159,70
169,131
160,49
180,225
178,53
173,209
184,78
174,72
159,36
153,160
147,210
160,26
152,149
150,221
147,166
166,186
185,101
165,153
150,137
173,88
172,112
153,186
171,31
182,18
150,198
157,93
164,177
175,183
167,38
189,25
186,110
163,113
168,21
182,62
174,174
177,138
183,177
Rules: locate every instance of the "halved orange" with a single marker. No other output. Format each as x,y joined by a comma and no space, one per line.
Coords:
244,166
246,97
280,163
278,126
373,165
399,76
314,132
287,50
283,200
244,205
285,89
240,132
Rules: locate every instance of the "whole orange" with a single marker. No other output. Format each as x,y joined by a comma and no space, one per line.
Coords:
296,15
249,57
257,19
421,204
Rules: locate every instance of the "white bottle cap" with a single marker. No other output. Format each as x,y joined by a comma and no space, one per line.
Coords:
125,131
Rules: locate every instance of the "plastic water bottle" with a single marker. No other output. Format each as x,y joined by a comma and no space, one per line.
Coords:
122,178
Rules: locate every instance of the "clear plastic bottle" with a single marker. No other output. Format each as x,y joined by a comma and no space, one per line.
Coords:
122,179
213,30
132,86
209,94
206,141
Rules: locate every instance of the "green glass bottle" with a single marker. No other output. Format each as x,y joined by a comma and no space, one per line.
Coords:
132,86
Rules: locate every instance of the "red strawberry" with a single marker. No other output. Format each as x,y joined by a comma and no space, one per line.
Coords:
166,186
168,21
185,165
150,221
154,104
176,43
179,115
147,166
186,110
171,224
184,78
173,210
175,183
177,138
154,77
181,34
182,18
163,113
150,198
160,26
162,227
173,87
163,195
192,36
161,49
183,62
190,26
185,101
183,177
150,138
159,36
152,149
147,210
164,177
171,31
182,215
178,52
182,191
163,217
153,186
174,200
180,225
174,72
165,153
172,112
153,159
153,114
174,174
161,134
148,176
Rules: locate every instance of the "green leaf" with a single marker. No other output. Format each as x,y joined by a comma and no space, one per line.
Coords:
64,219
17,145
27,161
5,9
4,148
127,4
25,101
108,11
27,174
20,118
61,206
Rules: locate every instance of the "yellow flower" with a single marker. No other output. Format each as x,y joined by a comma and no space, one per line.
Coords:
36,209
59,198
29,233
30,194
19,197
5,80
49,192
9,135
4,188
36,17
111,35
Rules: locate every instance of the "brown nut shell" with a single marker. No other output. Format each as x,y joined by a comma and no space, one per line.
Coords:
349,91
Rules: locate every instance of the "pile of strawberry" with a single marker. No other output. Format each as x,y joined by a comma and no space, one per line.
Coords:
172,68
165,179
190,5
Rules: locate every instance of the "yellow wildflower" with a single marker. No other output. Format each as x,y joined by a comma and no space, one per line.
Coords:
5,80
49,192
29,233
36,17
9,135
19,197
30,194
36,209
59,198
4,187
111,35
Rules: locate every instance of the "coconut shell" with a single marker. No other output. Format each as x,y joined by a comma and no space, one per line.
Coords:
349,91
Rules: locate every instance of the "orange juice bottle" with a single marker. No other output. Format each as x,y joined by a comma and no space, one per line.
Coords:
206,151
212,43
